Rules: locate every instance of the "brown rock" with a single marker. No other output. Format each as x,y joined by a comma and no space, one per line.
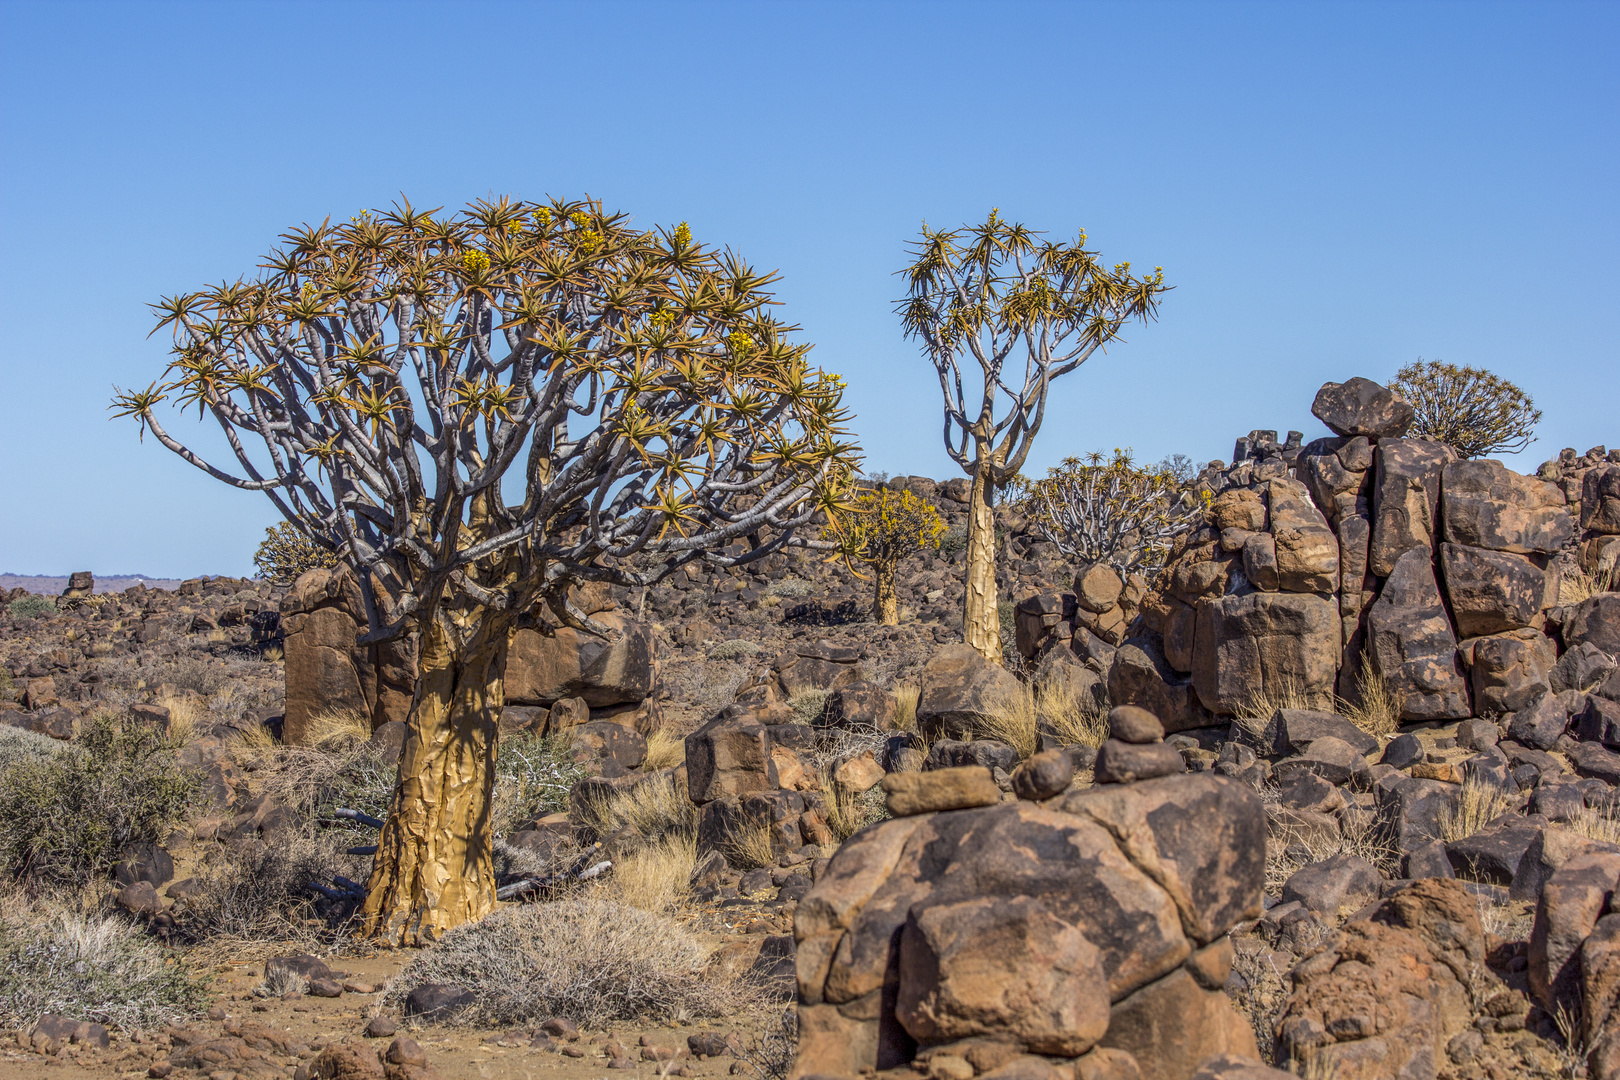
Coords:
346,1061
1362,407
1122,763
729,757
961,691
1406,499
1141,675
1411,643
1491,591
1595,620
1131,724
1001,967
1097,588
1252,646
1107,1063
1307,550
1171,1026
405,1051
858,774
1044,775
1508,672
1600,499
940,789
1238,509
1489,506
544,668
1237,1067
1572,901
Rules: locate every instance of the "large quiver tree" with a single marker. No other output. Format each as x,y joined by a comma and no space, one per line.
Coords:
392,372
1023,311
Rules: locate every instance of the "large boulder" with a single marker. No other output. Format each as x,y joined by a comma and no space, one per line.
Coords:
1406,495
1307,551
1263,645
322,617
1489,506
819,667
1509,671
962,692
1600,500
1595,620
1491,591
729,756
1140,675
1411,644
1362,407
1037,928
544,668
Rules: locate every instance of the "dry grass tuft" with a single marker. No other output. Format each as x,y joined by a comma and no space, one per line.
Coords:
1577,585
184,713
337,729
656,877
903,716
751,847
1367,842
1257,712
653,808
1262,990
665,750
1013,722
251,742
589,961
1595,824
1378,713
1074,718
847,812
1480,803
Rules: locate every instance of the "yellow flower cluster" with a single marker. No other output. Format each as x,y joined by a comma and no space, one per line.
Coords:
579,218
683,235
475,261
661,318
542,218
589,241
741,344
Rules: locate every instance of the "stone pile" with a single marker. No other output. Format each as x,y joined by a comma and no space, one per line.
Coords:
1068,933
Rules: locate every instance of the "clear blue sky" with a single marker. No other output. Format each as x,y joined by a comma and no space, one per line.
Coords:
1334,190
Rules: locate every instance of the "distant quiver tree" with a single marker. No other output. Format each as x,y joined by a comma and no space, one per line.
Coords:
478,411
284,553
1098,509
1022,312
881,528
1471,410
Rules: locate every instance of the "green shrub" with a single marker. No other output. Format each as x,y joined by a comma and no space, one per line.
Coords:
31,607
794,587
67,817
96,968
20,744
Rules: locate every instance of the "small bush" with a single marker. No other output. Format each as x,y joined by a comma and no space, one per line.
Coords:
533,777
654,808
794,587
849,813
1472,410
733,649
337,729
588,961
30,607
903,712
1378,708
808,705
655,877
954,542
751,847
96,968
21,745
1012,723
1480,803
67,818
1073,718
250,898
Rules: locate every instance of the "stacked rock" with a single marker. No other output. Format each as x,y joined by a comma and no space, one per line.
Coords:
1135,749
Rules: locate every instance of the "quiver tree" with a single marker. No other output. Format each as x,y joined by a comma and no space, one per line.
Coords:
394,371
1110,510
993,298
880,528
284,553
1471,410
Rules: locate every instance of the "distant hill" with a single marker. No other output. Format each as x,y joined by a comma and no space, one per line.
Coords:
53,586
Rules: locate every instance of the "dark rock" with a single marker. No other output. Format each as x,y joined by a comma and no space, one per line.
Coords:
1044,775
950,754
1403,751
1131,724
1540,723
1337,884
1120,763
1583,667
144,862
1362,407
1595,620
436,1002
380,1027
1492,854
1429,861
1590,759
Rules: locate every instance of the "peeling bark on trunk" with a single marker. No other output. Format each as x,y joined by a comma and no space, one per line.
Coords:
434,868
885,605
981,618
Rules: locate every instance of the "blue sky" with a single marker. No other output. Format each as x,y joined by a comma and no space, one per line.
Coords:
1334,190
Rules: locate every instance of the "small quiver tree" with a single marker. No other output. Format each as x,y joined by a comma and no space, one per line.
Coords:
1109,510
881,528
477,412
1022,311
284,553
1471,410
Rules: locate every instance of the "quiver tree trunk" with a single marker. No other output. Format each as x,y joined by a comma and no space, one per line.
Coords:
435,868
885,606
981,617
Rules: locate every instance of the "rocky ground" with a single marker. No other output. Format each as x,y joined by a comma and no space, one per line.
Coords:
1352,756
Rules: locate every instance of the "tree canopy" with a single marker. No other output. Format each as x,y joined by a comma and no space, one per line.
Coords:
1469,409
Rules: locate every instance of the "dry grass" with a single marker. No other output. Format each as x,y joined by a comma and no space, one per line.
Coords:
1257,712
252,742
1262,990
751,847
665,750
281,982
1367,842
808,705
1479,804
1576,584
184,712
653,808
1378,712
654,878
589,961
337,729
903,710
1595,824
847,812
1013,722
1074,718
